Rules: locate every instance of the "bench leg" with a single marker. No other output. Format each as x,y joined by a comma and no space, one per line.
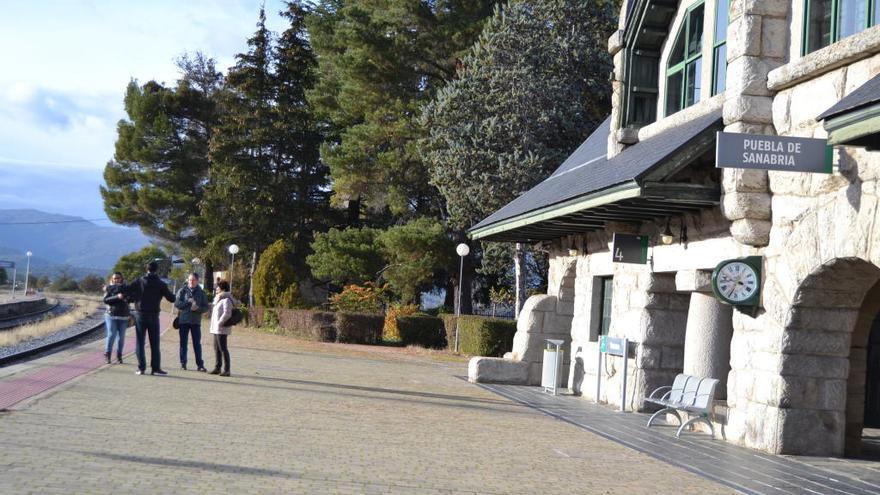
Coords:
662,411
694,420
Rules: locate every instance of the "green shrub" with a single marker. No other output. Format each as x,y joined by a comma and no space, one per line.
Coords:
359,328
422,330
481,335
298,323
274,278
270,318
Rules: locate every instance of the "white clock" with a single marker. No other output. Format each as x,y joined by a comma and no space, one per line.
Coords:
738,281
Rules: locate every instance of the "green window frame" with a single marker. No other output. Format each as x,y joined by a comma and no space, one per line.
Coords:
605,311
684,75
829,21
719,47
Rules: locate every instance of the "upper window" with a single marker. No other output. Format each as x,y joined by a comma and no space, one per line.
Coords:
683,73
719,67
828,21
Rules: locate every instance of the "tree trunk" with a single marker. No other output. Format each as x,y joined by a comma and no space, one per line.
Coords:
520,289
208,277
354,212
251,284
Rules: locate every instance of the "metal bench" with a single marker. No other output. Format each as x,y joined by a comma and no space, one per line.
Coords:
688,394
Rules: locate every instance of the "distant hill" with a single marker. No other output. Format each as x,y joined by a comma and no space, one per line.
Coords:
62,240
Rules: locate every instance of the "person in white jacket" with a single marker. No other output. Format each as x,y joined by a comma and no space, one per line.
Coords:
223,305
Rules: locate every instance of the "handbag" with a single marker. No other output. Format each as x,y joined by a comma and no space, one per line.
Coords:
176,322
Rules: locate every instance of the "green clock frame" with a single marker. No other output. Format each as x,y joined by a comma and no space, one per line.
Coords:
756,263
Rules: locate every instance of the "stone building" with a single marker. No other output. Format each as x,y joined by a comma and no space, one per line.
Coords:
799,371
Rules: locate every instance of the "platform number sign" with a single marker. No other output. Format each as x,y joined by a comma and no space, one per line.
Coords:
629,248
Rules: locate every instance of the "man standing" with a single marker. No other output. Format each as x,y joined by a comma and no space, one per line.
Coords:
148,292
191,302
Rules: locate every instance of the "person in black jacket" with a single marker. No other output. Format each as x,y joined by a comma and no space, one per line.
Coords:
148,292
116,317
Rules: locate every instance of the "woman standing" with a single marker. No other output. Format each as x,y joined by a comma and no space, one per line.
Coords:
223,305
116,317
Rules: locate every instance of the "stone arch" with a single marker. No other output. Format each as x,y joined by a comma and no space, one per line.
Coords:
818,349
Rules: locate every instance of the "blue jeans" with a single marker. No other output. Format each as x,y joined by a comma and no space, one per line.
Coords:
196,330
115,330
147,326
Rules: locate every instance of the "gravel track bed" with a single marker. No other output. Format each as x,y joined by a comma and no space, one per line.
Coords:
61,308
80,327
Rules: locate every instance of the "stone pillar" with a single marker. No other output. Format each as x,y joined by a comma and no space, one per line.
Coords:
707,340
757,42
709,330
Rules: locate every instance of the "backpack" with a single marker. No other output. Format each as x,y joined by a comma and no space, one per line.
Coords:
235,318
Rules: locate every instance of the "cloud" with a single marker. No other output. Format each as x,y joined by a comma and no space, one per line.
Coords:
54,109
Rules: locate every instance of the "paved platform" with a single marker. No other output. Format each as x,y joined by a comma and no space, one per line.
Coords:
301,417
748,471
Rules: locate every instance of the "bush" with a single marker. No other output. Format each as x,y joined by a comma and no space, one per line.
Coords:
359,328
275,280
359,299
390,331
300,323
422,330
481,335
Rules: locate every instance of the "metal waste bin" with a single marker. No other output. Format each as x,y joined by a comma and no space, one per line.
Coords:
552,369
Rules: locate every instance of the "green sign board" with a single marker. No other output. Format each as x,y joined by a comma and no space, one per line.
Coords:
629,248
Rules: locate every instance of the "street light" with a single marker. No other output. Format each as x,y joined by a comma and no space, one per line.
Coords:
233,250
462,250
27,272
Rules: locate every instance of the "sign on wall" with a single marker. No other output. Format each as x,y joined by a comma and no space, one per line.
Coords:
758,151
629,248
7,264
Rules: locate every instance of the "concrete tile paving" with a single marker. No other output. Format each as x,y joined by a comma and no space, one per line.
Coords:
301,417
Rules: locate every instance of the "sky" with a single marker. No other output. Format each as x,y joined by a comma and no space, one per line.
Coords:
64,66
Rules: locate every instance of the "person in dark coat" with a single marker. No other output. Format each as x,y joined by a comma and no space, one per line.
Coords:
191,302
148,292
116,317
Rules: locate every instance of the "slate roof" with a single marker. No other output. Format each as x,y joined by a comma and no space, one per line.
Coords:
864,95
588,170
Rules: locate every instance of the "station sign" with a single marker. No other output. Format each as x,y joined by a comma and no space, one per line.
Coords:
763,152
629,248
7,264
615,346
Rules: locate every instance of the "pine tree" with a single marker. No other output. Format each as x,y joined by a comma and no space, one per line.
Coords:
532,87
157,177
379,62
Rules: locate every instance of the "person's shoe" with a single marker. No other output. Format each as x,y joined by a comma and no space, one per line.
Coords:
158,372
225,373
215,371
202,369
107,357
183,366
139,372
118,359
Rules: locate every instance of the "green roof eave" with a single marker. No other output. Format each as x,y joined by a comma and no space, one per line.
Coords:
851,128
613,194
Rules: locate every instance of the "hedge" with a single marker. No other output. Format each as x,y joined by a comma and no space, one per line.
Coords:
359,328
299,323
422,330
481,335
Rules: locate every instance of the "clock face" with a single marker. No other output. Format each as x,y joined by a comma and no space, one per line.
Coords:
737,281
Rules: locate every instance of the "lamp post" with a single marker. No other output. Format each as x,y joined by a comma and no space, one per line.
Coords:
233,250
27,272
462,250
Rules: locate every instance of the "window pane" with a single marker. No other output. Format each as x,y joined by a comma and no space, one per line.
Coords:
853,17
819,26
720,69
673,92
677,54
607,288
721,21
695,33
694,77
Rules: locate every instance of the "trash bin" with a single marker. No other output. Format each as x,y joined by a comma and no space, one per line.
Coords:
552,369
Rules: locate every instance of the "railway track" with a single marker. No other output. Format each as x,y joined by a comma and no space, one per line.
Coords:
18,320
52,341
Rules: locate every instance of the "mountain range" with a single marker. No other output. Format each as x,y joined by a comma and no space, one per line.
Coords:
58,241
